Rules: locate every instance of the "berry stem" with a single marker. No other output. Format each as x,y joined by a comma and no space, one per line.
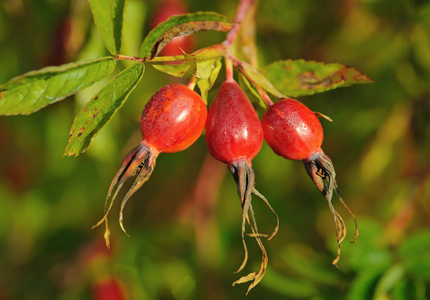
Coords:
243,7
192,83
239,64
229,69
263,95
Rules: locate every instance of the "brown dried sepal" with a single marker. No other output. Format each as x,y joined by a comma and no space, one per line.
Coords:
320,168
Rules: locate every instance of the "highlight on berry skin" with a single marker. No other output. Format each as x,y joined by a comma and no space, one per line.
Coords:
294,132
173,119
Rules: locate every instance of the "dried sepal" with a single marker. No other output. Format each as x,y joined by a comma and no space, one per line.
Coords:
245,179
255,277
321,115
320,168
139,162
275,231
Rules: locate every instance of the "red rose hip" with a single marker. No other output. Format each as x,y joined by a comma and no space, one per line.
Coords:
233,130
294,132
172,120
234,136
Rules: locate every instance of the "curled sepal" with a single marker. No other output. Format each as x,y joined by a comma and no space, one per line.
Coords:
320,168
275,231
255,277
245,179
139,162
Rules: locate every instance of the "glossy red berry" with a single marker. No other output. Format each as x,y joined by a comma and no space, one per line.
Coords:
172,120
292,130
233,130
165,10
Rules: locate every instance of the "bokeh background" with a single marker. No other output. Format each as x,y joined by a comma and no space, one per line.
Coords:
184,224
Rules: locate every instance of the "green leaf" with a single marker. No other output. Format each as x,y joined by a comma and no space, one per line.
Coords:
214,51
34,90
108,16
206,74
244,81
186,24
185,69
203,61
256,78
300,78
101,108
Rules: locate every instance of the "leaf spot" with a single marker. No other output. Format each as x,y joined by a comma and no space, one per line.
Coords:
310,80
81,131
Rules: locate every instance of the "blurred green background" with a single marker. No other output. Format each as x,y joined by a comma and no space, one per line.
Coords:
184,224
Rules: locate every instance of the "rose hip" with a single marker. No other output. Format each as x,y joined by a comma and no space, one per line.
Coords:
234,136
172,121
294,132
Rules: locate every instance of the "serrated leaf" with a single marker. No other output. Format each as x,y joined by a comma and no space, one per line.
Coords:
210,52
256,78
206,74
34,90
101,108
181,25
300,78
108,16
185,69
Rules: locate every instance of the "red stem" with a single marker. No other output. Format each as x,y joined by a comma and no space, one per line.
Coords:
229,69
240,14
192,83
265,97
239,64
231,36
